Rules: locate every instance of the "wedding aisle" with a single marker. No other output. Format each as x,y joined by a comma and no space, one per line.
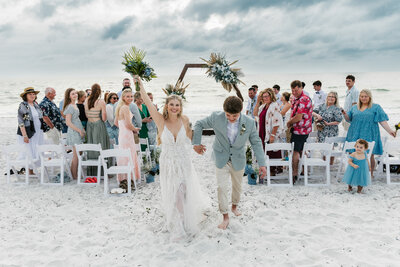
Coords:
78,226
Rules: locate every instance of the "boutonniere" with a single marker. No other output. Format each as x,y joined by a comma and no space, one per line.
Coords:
243,129
26,117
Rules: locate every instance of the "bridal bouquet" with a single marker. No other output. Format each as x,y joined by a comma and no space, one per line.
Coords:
179,89
220,69
134,65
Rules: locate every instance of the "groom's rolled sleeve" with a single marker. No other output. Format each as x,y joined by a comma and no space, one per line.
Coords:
256,144
205,123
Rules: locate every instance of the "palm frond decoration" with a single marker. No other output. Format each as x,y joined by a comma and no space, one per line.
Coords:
179,89
220,69
134,65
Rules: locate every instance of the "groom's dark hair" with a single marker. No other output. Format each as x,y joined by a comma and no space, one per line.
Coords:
233,105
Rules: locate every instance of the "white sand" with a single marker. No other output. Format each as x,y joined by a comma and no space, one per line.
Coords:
302,226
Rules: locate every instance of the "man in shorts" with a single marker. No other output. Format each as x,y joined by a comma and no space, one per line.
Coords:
300,121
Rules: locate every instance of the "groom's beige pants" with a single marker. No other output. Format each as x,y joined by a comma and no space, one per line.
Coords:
223,186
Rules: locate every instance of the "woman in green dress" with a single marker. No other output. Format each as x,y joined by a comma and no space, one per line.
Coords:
144,113
95,109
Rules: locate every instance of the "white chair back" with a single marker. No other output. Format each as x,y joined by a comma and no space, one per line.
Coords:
286,148
52,156
128,169
309,158
81,150
16,156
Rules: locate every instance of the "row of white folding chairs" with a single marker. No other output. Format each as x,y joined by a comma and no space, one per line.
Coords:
308,158
49,156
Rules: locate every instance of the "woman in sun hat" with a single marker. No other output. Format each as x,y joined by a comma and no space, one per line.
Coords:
30,124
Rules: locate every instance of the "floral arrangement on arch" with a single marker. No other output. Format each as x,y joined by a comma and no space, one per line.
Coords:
134,65
179,89
220,69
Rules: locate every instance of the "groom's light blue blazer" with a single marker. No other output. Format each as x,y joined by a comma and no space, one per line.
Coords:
222,148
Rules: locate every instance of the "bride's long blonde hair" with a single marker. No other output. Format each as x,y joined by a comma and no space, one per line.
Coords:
121,102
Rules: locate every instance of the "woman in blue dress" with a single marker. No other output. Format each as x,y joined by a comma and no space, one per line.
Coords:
364,118
357,173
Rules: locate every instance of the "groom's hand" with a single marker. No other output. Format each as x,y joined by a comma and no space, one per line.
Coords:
200,149
263,171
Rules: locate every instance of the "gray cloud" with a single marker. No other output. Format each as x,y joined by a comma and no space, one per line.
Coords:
202,9
115,30
44,9
6,29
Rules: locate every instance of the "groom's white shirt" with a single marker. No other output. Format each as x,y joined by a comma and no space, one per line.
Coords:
233,129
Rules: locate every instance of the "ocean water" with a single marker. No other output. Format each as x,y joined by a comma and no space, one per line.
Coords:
204,95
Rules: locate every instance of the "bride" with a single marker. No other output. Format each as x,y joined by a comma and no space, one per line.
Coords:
182,197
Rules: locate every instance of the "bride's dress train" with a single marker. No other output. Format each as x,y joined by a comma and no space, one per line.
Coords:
182,198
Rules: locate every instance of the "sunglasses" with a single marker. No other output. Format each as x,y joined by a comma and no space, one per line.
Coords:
115,98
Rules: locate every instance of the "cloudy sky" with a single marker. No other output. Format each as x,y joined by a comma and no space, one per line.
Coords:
88,37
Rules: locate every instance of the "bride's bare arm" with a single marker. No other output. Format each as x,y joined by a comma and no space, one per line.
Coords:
157,116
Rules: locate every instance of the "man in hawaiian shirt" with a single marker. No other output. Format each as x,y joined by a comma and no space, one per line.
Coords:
300,121
52,116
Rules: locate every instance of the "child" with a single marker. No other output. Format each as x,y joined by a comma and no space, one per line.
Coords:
357,173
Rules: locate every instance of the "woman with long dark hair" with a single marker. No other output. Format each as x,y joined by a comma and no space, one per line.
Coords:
95,109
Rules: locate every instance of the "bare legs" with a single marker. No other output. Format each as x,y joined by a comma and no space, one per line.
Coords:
225,221
359,189
372,165
74,164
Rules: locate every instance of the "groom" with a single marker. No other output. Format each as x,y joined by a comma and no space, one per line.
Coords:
232,130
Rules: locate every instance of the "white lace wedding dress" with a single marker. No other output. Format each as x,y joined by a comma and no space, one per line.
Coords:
182,198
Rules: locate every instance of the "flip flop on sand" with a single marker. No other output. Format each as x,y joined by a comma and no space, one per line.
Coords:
91,180
117,190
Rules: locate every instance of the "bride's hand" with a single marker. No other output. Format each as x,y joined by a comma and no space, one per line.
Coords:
200,149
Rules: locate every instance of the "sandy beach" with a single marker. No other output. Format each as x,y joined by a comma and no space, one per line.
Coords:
300,226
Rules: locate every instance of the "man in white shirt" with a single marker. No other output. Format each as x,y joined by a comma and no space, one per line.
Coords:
252,102
351,97
319,97
277,88
126,83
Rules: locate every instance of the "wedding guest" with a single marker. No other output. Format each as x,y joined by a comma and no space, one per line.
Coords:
145,115
252,102
319,97
81,107
123,119
112,129
270,119
351,97
270,124
52,116
151,126
364,119
327,117
126,84
30,125
95,109
255,86
285,108
357,173
300,121
76,133
277,88
88,91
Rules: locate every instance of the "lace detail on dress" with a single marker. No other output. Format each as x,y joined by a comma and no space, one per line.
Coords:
182,197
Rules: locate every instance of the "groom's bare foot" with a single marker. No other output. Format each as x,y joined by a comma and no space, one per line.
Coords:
224,223
235,211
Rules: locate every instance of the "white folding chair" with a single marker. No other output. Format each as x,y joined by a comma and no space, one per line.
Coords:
284,147
52,156
345,155
391,156
128,169
309,158
14,161
81,151
146,153
338,143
